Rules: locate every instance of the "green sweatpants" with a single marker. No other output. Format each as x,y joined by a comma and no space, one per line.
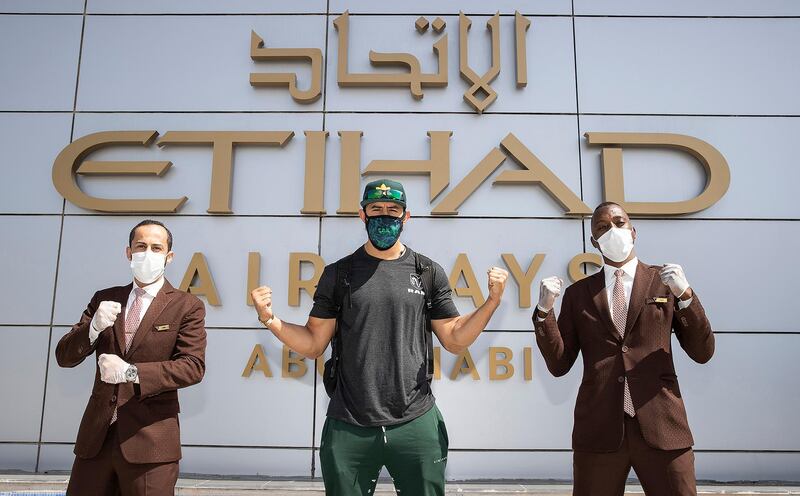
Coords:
414,453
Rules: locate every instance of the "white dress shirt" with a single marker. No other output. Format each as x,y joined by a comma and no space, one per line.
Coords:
627,283
629,275
150,292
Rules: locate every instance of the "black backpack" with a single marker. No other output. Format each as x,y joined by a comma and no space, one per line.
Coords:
424,268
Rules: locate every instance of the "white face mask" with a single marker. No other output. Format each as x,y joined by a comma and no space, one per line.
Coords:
616,244
147,266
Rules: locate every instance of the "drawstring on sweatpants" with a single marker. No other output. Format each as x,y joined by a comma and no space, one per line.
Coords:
385,441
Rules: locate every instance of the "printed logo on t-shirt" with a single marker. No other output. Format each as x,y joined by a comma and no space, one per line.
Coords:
416,284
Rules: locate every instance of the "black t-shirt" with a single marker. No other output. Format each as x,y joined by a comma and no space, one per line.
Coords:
383,363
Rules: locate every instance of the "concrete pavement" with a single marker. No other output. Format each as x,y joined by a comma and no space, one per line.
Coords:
54,484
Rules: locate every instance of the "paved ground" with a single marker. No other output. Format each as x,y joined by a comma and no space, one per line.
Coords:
22,484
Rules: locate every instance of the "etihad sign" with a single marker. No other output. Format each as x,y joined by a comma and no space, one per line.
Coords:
479,94
527,170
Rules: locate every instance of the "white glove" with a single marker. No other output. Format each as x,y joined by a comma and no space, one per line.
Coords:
112,368
549,290
672,275
104,317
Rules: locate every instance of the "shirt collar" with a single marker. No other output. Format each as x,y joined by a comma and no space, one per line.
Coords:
151,289
629,268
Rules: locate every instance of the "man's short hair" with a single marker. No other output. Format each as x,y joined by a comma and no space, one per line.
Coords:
608,204
150,222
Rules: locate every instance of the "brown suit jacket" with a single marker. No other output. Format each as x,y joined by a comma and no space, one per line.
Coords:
644,357
167,359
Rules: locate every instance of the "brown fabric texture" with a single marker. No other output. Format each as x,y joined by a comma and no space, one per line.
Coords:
643,357
109,474
661,472
169,352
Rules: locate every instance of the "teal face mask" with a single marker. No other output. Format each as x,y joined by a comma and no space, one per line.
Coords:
384,230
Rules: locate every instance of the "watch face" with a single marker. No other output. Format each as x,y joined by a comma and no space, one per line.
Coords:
131,373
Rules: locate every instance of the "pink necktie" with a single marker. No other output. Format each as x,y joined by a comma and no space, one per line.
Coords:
132,320
620,317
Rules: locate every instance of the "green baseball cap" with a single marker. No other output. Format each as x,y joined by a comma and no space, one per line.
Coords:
384,190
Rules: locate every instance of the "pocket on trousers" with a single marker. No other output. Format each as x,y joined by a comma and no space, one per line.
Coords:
323,440
443,437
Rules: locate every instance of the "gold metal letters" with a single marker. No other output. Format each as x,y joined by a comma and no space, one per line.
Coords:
524,280
70,162
415,79
472,289
480,84
296,283
479,95
521,25
534,172
718,175
574,269
314,55
198,269
222,162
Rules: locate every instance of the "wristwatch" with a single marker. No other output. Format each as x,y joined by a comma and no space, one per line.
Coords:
131,373
267,322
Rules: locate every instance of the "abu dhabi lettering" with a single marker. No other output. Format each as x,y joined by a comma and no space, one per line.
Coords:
501,364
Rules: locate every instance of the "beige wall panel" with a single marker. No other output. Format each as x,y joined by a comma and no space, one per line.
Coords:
688,66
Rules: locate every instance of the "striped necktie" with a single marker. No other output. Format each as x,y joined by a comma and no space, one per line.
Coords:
620,316
132,319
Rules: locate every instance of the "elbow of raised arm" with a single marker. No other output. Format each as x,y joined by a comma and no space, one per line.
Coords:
703,359
198,370
558,367
62,358
705,355
557,370
61,362
314,354
455,349
451,345
314,351
701,348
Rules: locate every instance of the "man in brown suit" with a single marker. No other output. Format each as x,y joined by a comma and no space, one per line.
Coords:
629,411
129,438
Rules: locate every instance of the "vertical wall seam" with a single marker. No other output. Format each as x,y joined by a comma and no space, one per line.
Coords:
58,251
578,121
319,232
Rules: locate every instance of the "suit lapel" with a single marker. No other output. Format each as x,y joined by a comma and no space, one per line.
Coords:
153,311
597,289
641,283
119,324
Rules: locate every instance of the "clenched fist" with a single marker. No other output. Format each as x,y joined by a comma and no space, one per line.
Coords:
106,315
549,290
672,275
112,368
497,282
262,299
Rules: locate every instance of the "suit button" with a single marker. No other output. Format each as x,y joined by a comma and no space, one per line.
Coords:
625,349
621,379
113,399
541,332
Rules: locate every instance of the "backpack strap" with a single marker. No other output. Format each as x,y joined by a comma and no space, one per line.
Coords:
425,267
341,289
342,269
